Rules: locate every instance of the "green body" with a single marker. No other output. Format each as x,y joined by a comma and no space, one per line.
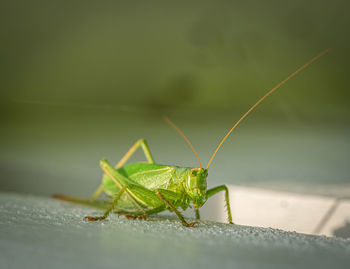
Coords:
141,189
151,176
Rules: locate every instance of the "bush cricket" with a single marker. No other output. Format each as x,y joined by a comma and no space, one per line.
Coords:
141,189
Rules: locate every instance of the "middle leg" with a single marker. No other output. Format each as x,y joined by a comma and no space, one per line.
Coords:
110,209
173,208
196,211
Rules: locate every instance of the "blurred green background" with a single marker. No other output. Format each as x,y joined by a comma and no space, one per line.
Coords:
82,80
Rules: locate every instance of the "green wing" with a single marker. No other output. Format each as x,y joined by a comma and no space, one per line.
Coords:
143,180
153,176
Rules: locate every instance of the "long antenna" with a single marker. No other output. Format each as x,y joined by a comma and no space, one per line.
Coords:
266,95
184,137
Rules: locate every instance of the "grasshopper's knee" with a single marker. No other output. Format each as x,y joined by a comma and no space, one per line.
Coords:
158,192
141,141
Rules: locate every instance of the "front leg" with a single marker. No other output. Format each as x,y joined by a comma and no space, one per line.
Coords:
217,189
173,208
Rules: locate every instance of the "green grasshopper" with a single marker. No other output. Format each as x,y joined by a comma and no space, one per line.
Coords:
141,189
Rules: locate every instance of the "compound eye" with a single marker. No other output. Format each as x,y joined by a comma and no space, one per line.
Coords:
194,172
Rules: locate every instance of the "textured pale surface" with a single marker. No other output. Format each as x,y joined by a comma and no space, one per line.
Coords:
40,232
311,214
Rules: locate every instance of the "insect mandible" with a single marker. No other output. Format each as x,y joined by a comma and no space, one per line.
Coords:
141,189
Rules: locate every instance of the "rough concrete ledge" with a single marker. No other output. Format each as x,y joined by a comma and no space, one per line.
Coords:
37,232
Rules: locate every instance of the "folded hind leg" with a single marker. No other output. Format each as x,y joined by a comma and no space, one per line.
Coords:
139,143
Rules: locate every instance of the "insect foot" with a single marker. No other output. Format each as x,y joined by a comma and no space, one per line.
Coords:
191,224
94,218
131,217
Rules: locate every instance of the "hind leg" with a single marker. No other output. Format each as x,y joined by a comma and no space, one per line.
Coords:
139,143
